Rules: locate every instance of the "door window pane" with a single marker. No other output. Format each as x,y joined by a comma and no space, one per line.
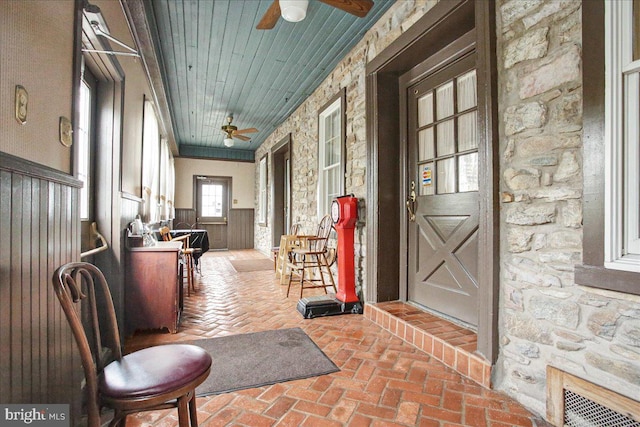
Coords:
446,176
467,97
467,132
425,110
444,98
212,199
446,139
468,172
425,144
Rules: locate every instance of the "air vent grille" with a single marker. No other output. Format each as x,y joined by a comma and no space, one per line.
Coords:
582,412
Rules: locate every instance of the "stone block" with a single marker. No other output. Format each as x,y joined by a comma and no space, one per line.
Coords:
625,352
531,45
569,168
563,67
526,328
550,8
630,333
521,179
546,143
513,10
565,239
518,118
624,370
557,311
537,214
603,323
519,239
571,214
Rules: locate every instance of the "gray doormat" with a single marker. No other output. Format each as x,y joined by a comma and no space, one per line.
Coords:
244,265
261,358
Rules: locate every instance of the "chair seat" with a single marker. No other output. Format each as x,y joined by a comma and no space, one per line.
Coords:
152,371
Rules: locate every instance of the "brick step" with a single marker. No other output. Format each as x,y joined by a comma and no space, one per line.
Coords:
447,342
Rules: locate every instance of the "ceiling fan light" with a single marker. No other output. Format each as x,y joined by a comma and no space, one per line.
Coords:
293,10
228,142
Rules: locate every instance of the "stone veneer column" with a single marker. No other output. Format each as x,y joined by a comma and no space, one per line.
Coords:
545,317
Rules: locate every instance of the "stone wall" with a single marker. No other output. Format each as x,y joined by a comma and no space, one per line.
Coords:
545,317
303,126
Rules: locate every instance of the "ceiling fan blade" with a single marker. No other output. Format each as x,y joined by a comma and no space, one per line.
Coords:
270,17
241,137
359,8
248,130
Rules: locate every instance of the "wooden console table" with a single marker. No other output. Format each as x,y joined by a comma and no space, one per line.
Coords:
153,294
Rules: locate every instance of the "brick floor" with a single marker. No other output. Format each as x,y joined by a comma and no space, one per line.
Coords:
383,380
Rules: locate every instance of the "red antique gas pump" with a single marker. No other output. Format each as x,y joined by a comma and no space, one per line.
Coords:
344,212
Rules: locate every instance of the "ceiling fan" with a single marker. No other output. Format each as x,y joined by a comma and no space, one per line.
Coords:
296,10
232,131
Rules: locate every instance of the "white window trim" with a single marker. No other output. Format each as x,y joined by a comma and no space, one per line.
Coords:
324,205
621,251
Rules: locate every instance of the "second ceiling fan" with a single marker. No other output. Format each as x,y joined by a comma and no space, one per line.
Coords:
295,10
232,131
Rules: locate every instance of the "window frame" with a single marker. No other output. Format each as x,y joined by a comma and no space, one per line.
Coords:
90,81
263,190
593,272
337,102
622,250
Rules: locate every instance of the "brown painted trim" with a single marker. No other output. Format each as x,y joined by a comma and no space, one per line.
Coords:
279,150
264,157
489,178
604,278
593,132
399,56
21,166
220,159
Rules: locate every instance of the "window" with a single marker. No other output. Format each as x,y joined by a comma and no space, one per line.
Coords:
331,135
607,262
622,109
262,191
84,141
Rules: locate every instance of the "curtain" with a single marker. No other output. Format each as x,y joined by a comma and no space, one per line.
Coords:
150,164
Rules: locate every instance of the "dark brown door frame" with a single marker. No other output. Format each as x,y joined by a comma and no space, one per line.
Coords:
278,153
386,186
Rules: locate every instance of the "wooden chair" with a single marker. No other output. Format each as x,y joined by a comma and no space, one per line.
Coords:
187,255
311,261
154,378
277,250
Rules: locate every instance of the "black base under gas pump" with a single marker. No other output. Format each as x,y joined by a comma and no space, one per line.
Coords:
344,212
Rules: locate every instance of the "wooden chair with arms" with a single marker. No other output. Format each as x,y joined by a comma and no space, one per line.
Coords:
154,378
311,257
187,255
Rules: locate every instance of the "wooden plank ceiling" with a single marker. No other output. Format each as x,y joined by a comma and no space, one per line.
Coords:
215,63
